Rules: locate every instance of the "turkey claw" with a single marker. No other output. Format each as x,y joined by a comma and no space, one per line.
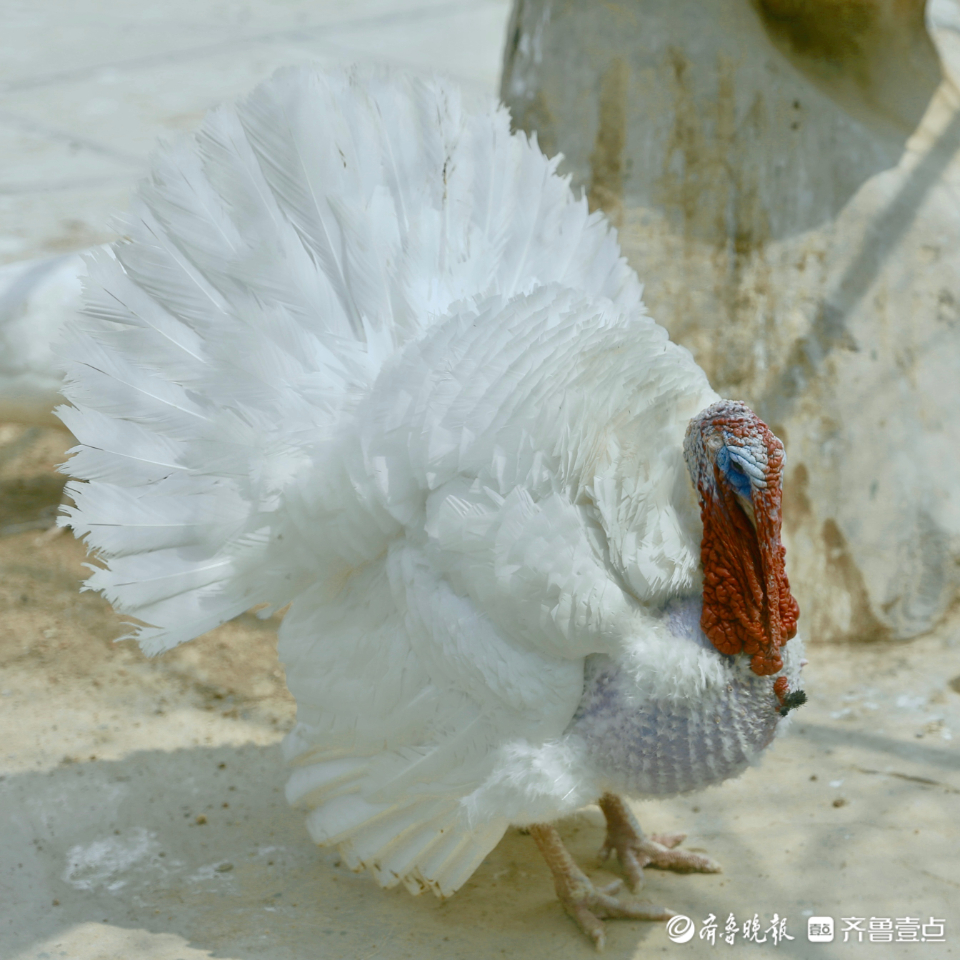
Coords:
636,851
588,906
670,840
647,852
611,845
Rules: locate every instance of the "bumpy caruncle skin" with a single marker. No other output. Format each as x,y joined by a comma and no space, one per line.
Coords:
736,464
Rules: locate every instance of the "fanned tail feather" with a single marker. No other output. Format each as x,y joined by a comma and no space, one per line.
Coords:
420,843
277,263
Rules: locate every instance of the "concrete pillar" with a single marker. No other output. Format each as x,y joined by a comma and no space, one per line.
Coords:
784,178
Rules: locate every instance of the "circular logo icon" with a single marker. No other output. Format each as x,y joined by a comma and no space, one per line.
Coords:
680,928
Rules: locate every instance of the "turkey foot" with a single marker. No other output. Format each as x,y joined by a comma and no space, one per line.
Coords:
635,850
584,902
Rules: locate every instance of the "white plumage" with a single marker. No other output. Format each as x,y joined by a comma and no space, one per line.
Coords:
366,355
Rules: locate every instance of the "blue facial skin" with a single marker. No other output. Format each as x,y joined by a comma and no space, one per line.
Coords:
733,463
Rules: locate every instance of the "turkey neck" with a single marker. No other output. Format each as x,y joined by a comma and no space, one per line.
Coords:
662,745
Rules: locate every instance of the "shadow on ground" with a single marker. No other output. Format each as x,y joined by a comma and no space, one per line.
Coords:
201,844
142,813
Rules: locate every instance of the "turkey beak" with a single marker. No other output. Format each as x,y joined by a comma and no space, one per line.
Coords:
746,505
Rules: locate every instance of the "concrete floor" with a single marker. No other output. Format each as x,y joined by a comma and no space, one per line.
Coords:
141,807
142,814
87,88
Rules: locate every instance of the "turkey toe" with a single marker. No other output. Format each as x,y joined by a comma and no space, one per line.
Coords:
635,850
586,904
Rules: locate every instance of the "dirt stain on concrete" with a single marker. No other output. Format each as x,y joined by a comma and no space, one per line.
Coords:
841,567
607,160
874,57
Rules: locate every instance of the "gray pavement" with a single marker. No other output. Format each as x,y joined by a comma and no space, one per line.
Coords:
87,88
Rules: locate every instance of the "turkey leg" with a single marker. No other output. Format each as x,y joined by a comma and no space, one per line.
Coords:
584,902
635,850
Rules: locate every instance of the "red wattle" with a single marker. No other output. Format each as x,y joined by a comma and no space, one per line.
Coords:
747,604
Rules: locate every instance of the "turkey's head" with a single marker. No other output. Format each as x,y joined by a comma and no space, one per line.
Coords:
736,465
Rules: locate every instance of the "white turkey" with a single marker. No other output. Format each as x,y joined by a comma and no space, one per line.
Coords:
36,298
366,356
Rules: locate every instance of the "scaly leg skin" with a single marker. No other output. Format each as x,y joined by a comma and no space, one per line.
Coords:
586,904
635,850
